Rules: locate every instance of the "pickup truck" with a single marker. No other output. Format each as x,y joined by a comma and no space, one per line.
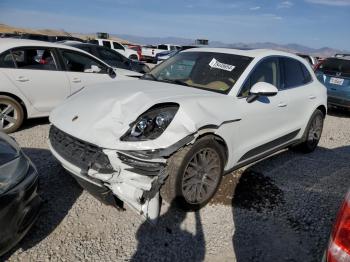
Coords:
121,49
149,52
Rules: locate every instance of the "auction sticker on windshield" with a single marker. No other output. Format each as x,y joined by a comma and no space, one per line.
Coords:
216,64
336,81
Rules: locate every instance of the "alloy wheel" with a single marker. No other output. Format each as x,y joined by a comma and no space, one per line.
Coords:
8,115
201,176
315,130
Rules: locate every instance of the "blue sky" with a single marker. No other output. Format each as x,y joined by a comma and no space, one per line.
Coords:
315,23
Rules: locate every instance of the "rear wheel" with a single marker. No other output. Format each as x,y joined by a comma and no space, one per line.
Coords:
11,114
194,174
313,133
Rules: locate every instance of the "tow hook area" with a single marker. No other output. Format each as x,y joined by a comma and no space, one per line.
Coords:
156,185
131,180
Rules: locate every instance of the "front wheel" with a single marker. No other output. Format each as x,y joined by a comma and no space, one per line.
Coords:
313,133
194,174
11,114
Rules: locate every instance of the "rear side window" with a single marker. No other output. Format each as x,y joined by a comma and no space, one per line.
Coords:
106,44
307,75
34,58
294,73
6,60
109,55
332,66
117,46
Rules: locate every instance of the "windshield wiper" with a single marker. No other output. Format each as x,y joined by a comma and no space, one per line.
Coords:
149,76
175,81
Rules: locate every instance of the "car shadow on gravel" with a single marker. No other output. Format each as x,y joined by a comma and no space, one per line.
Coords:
59,192
167,241
284,207
30,123
338,112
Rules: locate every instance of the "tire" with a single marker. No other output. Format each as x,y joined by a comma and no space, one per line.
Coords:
186,180
11,114
134,57
312,133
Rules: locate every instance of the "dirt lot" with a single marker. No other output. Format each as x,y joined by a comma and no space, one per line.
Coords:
282,209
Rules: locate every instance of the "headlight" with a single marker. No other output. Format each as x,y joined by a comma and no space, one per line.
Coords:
152,123
8,177
7,152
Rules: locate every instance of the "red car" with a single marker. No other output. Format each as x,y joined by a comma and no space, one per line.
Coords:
339,245
138,49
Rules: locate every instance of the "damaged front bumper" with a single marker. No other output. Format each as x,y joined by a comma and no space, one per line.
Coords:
113,176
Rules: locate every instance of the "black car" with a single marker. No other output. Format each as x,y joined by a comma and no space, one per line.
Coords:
111,57
19,200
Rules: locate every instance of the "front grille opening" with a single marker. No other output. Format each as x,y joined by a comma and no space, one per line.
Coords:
79,153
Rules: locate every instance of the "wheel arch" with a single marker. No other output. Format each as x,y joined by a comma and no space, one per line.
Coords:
219,140
323,109
19,100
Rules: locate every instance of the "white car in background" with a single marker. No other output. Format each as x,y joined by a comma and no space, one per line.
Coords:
37,76
125,51
195,117
150,52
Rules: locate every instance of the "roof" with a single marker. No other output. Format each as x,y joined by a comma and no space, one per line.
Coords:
254,53
8,43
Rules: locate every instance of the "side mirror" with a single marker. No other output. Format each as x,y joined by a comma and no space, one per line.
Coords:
261,89
111,72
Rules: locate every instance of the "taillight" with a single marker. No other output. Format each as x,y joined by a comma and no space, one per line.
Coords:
339,246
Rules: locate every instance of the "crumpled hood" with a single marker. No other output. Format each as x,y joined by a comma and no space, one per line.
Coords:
102,113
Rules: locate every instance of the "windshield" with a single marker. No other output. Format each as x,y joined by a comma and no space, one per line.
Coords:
332,66
216,72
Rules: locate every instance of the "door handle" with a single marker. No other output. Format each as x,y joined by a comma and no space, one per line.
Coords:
22,79
311,97
282,104
76,80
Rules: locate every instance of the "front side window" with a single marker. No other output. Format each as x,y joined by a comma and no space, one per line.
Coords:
107,54
6,60
293,73
211,71
34,58
85,48
162,47
106,44
95,42
78,62
266,71
117,46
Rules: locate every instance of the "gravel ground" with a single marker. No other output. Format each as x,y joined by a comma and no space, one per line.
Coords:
282,209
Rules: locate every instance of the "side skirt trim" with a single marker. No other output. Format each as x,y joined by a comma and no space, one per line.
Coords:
268,146
262,156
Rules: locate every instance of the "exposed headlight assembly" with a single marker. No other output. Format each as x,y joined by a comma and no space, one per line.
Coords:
151,124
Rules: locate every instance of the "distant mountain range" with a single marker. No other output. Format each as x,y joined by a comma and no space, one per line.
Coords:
294,48
124,38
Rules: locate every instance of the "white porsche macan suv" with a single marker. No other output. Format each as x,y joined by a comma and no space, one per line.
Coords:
36,76
174,133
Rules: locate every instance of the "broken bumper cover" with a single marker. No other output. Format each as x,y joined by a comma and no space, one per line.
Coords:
112,176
